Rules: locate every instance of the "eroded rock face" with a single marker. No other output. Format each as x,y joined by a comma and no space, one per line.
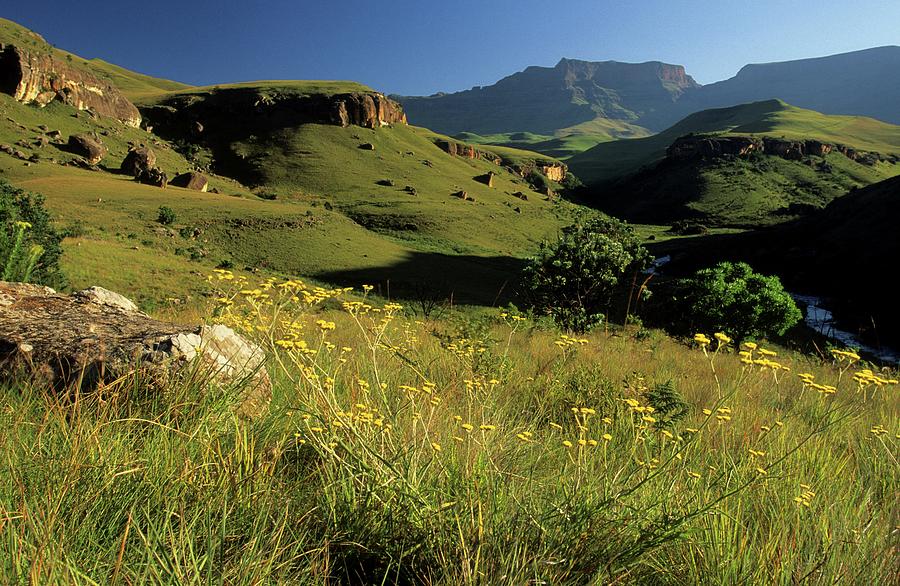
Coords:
42,78
191,180
554,172
95,336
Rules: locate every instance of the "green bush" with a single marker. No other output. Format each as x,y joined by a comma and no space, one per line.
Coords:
574,280
731,298
166,216
29,246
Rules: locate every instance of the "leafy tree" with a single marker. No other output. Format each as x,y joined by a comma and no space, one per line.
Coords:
574,279
29,246
733,299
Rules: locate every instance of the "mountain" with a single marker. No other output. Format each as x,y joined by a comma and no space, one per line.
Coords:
746,165
863,83
576,105
550,100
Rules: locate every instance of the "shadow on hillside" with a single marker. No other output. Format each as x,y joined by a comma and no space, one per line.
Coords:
423,276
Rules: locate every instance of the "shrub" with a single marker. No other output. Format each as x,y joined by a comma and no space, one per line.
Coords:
574,279
730,297
29,246
166,216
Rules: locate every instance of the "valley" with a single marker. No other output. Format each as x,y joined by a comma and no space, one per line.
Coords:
594,323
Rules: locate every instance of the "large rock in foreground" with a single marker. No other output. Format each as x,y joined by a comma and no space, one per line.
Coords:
96,336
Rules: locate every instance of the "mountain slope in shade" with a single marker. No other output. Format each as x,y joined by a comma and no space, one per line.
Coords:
863,83
543,100
553,101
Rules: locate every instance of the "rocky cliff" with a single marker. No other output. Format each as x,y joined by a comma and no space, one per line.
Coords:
706,146
543,100
198,114
40,78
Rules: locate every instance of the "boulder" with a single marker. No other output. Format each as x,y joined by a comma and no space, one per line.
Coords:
487,179
191,180
367,146
137,160
88,147
95,336
153,176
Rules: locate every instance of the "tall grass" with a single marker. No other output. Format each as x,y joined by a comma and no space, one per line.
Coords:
464,451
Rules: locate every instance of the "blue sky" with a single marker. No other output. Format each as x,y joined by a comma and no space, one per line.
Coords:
419,47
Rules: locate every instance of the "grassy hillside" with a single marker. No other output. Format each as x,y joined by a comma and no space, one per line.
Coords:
331,218
635,180
565,142
613,160
461,451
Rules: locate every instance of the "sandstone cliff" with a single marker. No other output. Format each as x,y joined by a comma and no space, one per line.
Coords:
183,114
41,78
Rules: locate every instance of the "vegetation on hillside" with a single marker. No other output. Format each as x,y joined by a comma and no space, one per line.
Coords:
29,245
574,279
488,451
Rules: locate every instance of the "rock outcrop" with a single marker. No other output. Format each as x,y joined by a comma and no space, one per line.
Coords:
215,112
552,171
467,151
710,146
191,180
33,78
95,336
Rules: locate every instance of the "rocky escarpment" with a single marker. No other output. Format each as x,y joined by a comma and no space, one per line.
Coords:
206,115
95,336
706,146
34,78
554,171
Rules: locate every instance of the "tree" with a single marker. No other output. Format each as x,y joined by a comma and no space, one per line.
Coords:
574,279
733,299
29,246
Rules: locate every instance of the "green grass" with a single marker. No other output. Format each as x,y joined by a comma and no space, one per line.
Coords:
358,478
370,233
564,143
757,191
613,160
286,86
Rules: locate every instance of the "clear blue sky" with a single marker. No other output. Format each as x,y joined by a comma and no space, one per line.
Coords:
422,46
